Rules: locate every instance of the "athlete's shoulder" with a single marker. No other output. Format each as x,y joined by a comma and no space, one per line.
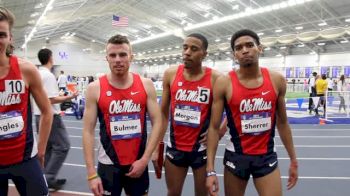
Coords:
171,70
216,74
275,75
146,81
26,66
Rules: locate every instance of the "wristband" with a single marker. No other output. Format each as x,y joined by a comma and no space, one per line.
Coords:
92,177
211,173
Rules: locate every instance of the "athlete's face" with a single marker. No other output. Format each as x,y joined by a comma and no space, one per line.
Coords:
193,52
246,51
119,58
5,36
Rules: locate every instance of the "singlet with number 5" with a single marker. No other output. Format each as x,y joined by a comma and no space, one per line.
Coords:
190,110
251,115
16,134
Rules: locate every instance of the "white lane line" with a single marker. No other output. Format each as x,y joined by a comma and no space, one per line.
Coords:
310,146
64,191
283,177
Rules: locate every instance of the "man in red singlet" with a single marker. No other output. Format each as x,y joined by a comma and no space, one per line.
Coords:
120,100
187,91
254,102
20,154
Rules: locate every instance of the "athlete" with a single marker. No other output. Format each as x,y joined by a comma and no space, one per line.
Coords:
187,91
254,102
120,100
21,157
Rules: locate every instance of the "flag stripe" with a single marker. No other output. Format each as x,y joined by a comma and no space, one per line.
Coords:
120,21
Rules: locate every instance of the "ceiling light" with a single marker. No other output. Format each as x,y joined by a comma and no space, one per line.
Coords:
260,34
301,45
283,47
278,55
93,41
299,28
34,14
206,15
347,20
268,48
322,24
235,7
344,41
278,30
217,40
312,52
321,44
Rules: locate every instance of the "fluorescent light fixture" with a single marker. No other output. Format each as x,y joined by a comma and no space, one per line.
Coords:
344,41
321,44
301,45
299,28
31,34
278,55
278,30
283,47
217,40
260,34
347,20
93,41
312,52
322,24
268,48
34,14
235,7
216,20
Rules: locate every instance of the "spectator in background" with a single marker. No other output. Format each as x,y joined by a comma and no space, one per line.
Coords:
312,90
342,87
58,144
62,81
321,85
330,86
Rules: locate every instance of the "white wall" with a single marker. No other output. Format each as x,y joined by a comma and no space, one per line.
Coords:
80,63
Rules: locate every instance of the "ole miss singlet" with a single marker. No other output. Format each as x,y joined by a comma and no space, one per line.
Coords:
190,110
16,134
122,119
251,116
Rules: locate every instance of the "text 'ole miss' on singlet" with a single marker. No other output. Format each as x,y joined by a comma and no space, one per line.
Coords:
190,110
122,120
251,116
16,135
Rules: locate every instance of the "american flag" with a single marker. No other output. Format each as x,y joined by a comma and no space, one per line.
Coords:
120,21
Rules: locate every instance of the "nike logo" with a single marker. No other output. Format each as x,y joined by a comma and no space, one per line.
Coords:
272,164
230,164
264,93
134,93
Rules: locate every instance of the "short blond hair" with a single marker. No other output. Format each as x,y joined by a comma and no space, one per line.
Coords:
6,15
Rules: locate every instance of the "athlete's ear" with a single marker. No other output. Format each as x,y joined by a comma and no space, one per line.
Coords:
205,55
260,48
131,56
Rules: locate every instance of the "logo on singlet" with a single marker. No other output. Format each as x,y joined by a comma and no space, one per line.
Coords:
9,99
201,95
120,106
255,104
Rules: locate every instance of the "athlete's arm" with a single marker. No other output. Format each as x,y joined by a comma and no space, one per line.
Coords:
214,76
61,99
219,92
284,129
153,110
89,123
33,79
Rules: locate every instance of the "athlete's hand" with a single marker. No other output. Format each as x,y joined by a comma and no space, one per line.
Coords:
212,185
96,186
41,158
137,168
204,138
293,175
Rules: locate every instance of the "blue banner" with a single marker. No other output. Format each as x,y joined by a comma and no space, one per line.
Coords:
288,70
307,72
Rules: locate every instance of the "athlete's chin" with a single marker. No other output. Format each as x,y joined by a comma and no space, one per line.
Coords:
187,64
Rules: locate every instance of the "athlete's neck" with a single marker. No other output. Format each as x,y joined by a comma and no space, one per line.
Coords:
120,81
193,72
252,71
4,60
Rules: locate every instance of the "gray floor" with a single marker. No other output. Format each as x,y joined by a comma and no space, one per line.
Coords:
323,152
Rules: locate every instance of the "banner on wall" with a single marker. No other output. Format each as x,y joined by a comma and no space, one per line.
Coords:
324,70
297,72
335,71
307,72
347,71
288,71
